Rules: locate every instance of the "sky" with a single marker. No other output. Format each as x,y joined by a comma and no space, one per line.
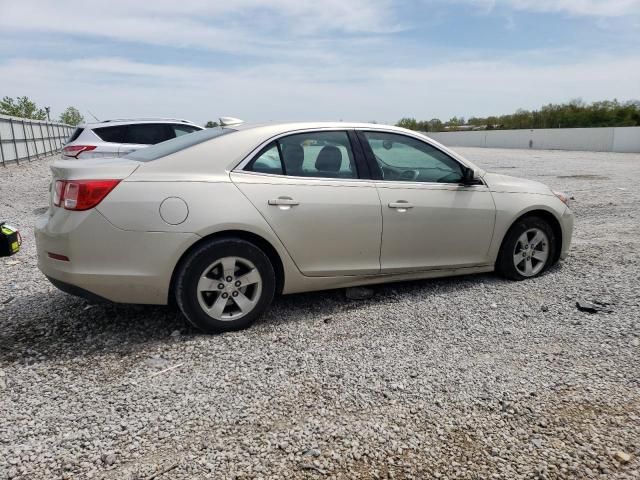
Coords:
356,60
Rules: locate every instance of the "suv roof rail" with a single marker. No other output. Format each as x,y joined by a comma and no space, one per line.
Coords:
142,119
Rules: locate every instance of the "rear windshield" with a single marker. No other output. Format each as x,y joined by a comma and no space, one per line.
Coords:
176,144
75,135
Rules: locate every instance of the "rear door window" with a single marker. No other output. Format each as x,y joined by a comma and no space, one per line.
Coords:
268,161
149,133
322,154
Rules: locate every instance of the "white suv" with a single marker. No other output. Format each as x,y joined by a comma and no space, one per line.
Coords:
117,138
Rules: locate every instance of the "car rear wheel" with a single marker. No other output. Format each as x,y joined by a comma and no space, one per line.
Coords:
527,250
225,285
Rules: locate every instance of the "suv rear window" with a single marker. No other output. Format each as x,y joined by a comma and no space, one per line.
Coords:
149,133
75,135
177,144
143,133
114,134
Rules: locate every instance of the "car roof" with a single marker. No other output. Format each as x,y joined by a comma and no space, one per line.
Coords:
283,127
250,137
134,121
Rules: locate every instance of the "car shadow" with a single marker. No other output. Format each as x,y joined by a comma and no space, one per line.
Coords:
43,326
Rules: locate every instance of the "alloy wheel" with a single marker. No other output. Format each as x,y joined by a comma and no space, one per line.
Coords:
531,252
229,288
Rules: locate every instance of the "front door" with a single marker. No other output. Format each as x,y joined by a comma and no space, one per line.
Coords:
430,220
308,189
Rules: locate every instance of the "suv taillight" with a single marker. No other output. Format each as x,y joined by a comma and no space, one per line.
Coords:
75,150
81,194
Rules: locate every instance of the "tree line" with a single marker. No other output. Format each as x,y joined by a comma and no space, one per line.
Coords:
574,114
26,108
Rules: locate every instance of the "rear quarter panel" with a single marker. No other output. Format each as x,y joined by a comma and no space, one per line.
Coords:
213,207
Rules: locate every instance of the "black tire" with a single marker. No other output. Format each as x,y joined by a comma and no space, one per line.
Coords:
192,268
505,264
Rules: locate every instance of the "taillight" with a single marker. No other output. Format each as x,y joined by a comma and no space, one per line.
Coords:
58,189
75,150
81,194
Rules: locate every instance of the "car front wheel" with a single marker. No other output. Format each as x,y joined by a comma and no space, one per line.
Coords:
528,249
225,285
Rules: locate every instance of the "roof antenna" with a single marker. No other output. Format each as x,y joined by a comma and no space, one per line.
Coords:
97,120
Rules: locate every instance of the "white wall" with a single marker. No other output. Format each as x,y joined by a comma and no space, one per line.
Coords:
618,139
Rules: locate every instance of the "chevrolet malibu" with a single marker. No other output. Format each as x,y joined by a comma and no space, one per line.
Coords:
221,220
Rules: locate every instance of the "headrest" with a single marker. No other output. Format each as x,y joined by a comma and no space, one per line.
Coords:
293,156
329,159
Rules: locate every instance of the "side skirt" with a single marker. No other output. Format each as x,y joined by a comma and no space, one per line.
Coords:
308,284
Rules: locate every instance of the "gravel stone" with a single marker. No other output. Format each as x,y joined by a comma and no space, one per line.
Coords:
622,457
424,380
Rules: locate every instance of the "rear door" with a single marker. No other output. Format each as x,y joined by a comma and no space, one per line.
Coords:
308,188
141,135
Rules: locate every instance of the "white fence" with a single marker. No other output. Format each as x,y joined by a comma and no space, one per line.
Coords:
23,139
613,139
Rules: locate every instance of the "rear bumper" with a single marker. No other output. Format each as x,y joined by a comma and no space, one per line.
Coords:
106,262
566,222
75,290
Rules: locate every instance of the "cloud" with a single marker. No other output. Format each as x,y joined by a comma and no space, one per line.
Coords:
116,87
250,27
596,8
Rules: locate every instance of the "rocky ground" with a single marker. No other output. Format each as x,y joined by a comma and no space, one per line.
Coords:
473,377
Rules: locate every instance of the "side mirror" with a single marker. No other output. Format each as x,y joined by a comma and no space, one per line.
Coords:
470,177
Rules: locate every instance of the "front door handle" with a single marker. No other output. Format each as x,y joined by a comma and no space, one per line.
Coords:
401,205
284,202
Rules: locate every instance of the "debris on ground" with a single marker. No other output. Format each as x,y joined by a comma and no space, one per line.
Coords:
156,362
593,307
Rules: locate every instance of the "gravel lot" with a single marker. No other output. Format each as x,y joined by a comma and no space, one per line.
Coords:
472,377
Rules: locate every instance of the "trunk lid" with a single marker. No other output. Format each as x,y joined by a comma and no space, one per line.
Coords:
94,169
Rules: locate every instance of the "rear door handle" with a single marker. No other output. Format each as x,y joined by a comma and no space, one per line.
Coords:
401,205
284,202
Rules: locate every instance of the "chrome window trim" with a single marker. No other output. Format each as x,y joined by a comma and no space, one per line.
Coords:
239,167
417,185
276,176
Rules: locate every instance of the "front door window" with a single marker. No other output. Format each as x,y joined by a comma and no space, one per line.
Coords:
402,158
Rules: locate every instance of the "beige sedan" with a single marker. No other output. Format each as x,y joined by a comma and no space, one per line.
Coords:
223,219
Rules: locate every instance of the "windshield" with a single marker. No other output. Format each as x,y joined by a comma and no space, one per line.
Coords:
176,144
